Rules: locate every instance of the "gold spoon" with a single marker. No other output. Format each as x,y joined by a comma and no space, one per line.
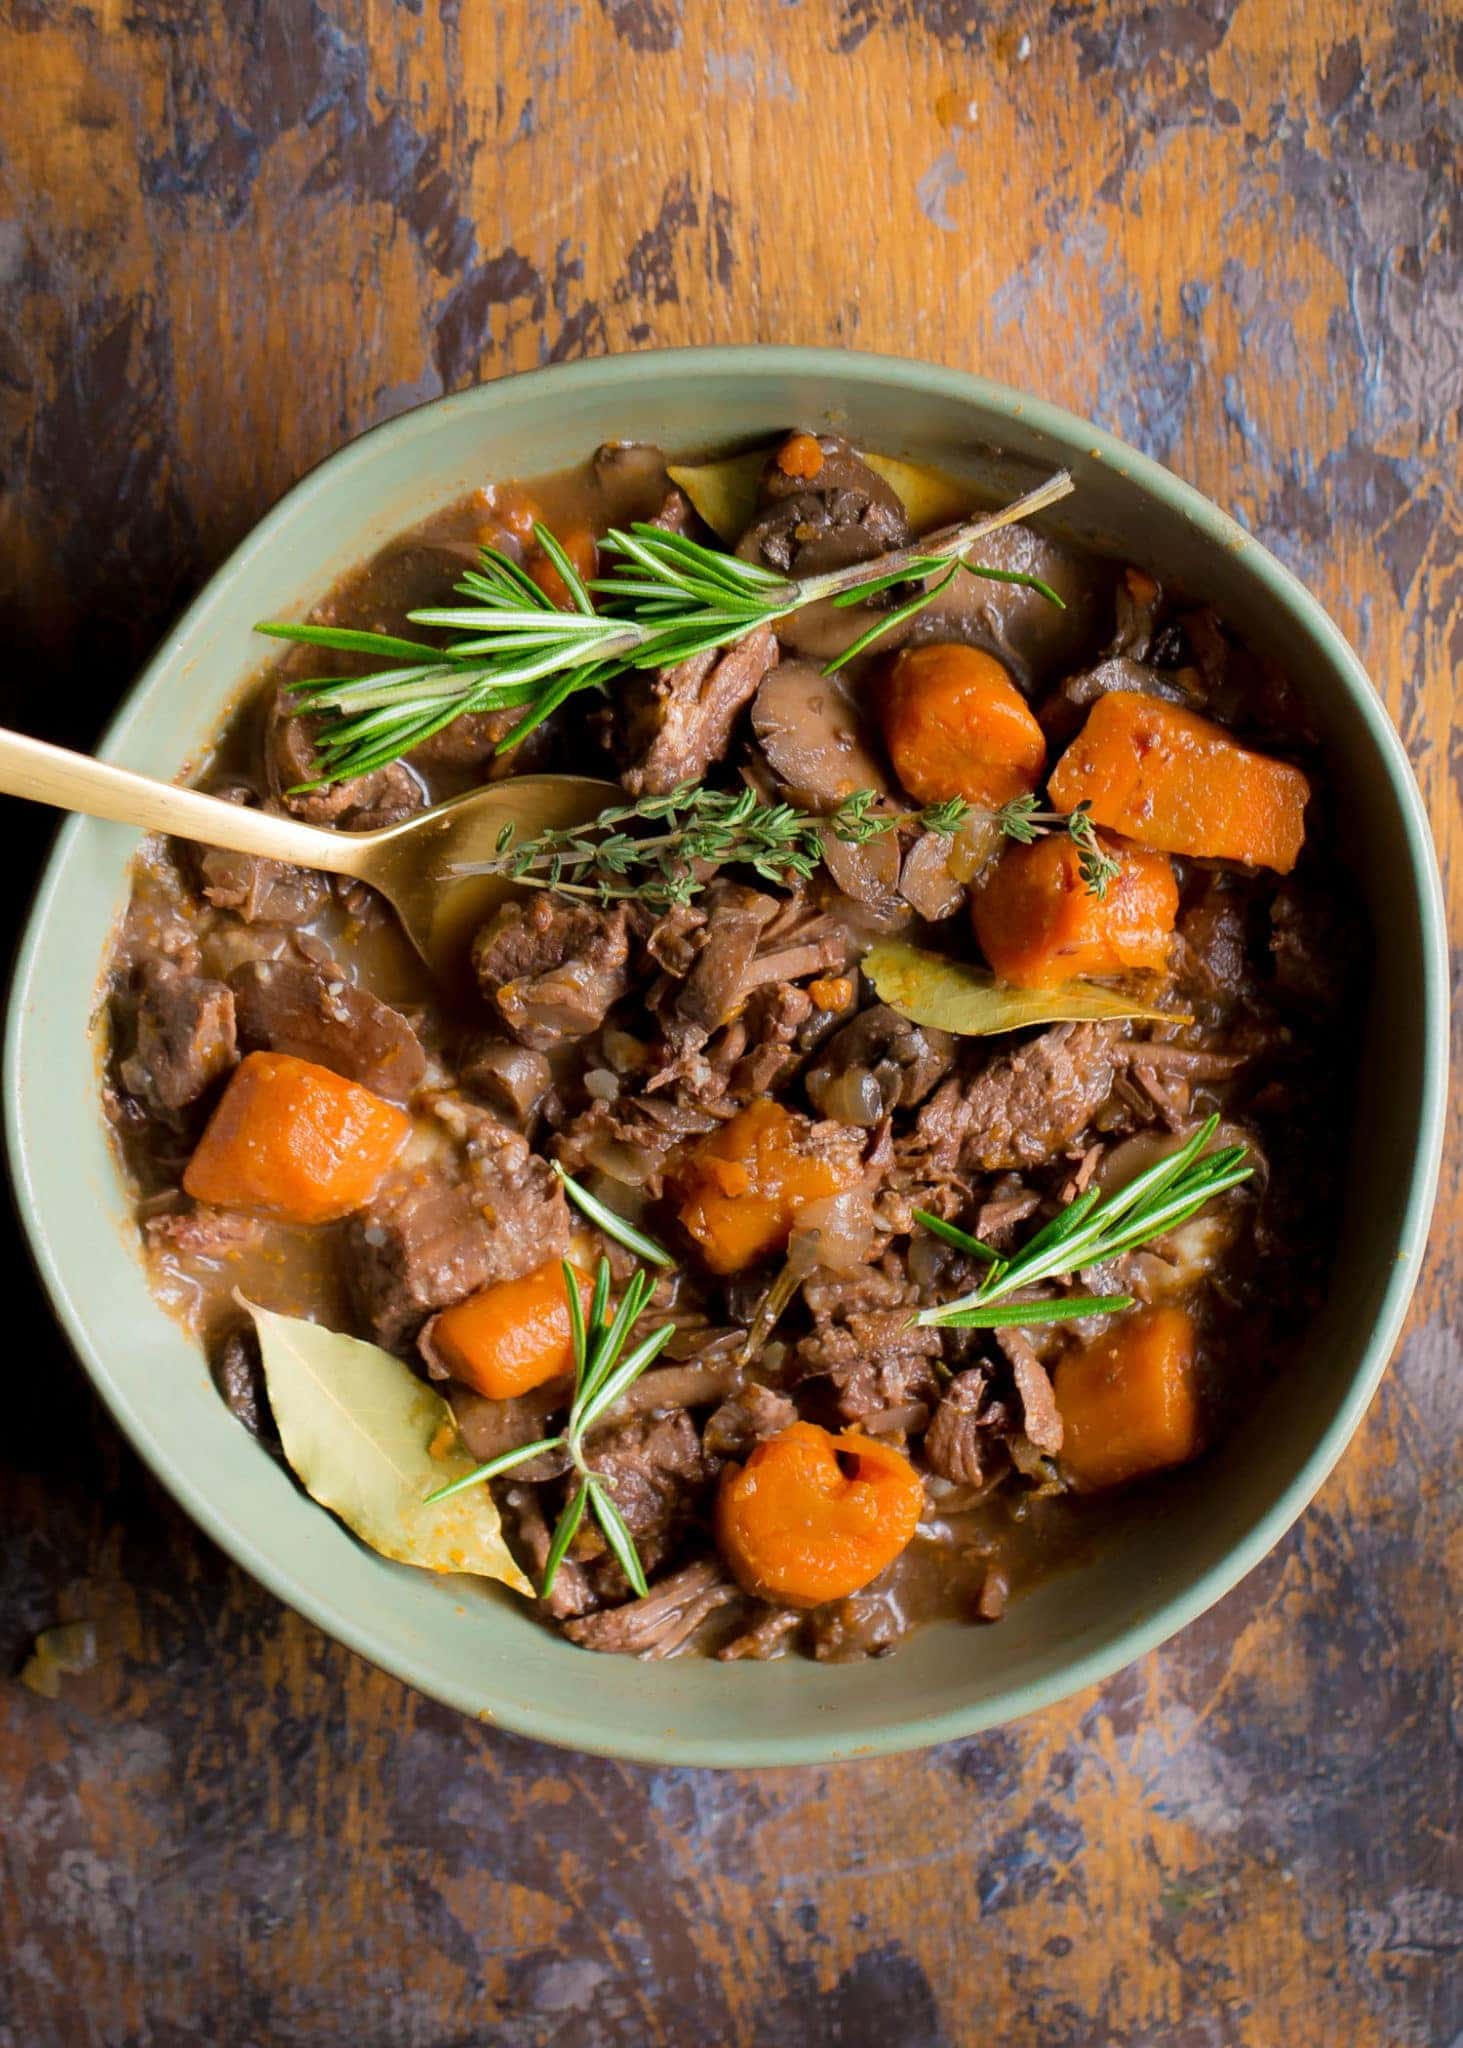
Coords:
410,864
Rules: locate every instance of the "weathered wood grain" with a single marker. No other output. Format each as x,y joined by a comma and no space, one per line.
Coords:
232,236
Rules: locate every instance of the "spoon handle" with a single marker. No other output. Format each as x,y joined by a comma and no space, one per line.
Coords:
76,782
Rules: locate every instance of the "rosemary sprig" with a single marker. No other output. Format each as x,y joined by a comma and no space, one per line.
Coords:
612,1224
701,828
603,1372
1085,1233
668,598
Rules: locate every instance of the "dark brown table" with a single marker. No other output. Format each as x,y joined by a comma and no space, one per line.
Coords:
230,237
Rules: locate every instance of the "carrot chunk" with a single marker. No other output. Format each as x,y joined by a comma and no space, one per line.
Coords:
1039,924
293,1140
956,725
742,1187
579,545
1174,781
1129,1402
800,456
510,1337
812,1517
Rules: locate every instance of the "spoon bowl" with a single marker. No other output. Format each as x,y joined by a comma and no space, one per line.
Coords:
413,865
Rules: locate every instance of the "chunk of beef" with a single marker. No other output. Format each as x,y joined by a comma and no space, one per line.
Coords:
183,1038
238,1373
751,1415
654,1469
383,797
877,1367
1040,1415
471,741
867,1624
259,890
512,1079
1312,947
664,1621
958,1441
879,1063
634,1140
202,1232
844,513
1023,1107
431,1239
572,1592
552,969
721,973
1212,952
317,1014
768,1636
679,720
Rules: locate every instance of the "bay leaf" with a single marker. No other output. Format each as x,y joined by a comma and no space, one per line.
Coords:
952,995
724,493
356,1425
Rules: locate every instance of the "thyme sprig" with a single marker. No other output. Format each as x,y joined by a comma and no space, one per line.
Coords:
1022,818
603,1372
668,598
1086,1232
700,829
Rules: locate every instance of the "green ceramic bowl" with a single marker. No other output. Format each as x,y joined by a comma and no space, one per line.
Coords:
1169,1557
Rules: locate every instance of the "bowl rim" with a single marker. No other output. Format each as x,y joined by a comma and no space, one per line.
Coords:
575,1727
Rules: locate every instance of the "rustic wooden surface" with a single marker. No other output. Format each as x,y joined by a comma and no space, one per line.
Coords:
233,235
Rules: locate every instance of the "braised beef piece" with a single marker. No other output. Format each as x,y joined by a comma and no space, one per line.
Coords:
572,1592
183,1038
383,797
752,1414
238,1373
867,1624
635,1139
320,1014
768,1636
845,512
878,1369
1020,1108
878,1063
552,969
429,1240
958,1441
259,890
632,475
201,1232
1040,1415
722,973
664,1621
679,720
1212,956
1313,946
512,1079
654,1469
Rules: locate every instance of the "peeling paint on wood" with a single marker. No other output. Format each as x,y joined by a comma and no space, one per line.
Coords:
231,237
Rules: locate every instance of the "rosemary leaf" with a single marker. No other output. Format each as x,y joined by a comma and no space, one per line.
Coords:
612,1225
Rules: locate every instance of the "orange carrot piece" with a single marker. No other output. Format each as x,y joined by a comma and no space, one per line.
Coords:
1039,924
1129,1402
510,1337
1174,781
579,545
812,1517
956,725
800,455
742,1187
295,1141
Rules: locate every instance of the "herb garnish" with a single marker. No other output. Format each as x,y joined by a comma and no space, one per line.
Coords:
1022,819
601,1376
1086,1232
669,598
611,1222
701,828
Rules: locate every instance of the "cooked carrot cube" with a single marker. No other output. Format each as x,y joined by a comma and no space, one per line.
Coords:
742,1187
1129,1402
510,1337
812,1517
1174,781
956,725
1038,923
292,1140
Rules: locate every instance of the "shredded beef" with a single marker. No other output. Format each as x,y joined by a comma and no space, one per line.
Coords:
183,1039
1041,1417
552,969
680,719
867,1624
664,1621
654,1469
768,1636
751,1415
1023,1107
319,1014
957,1439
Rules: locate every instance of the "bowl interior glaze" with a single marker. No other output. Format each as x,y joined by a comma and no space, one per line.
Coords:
1171,1554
